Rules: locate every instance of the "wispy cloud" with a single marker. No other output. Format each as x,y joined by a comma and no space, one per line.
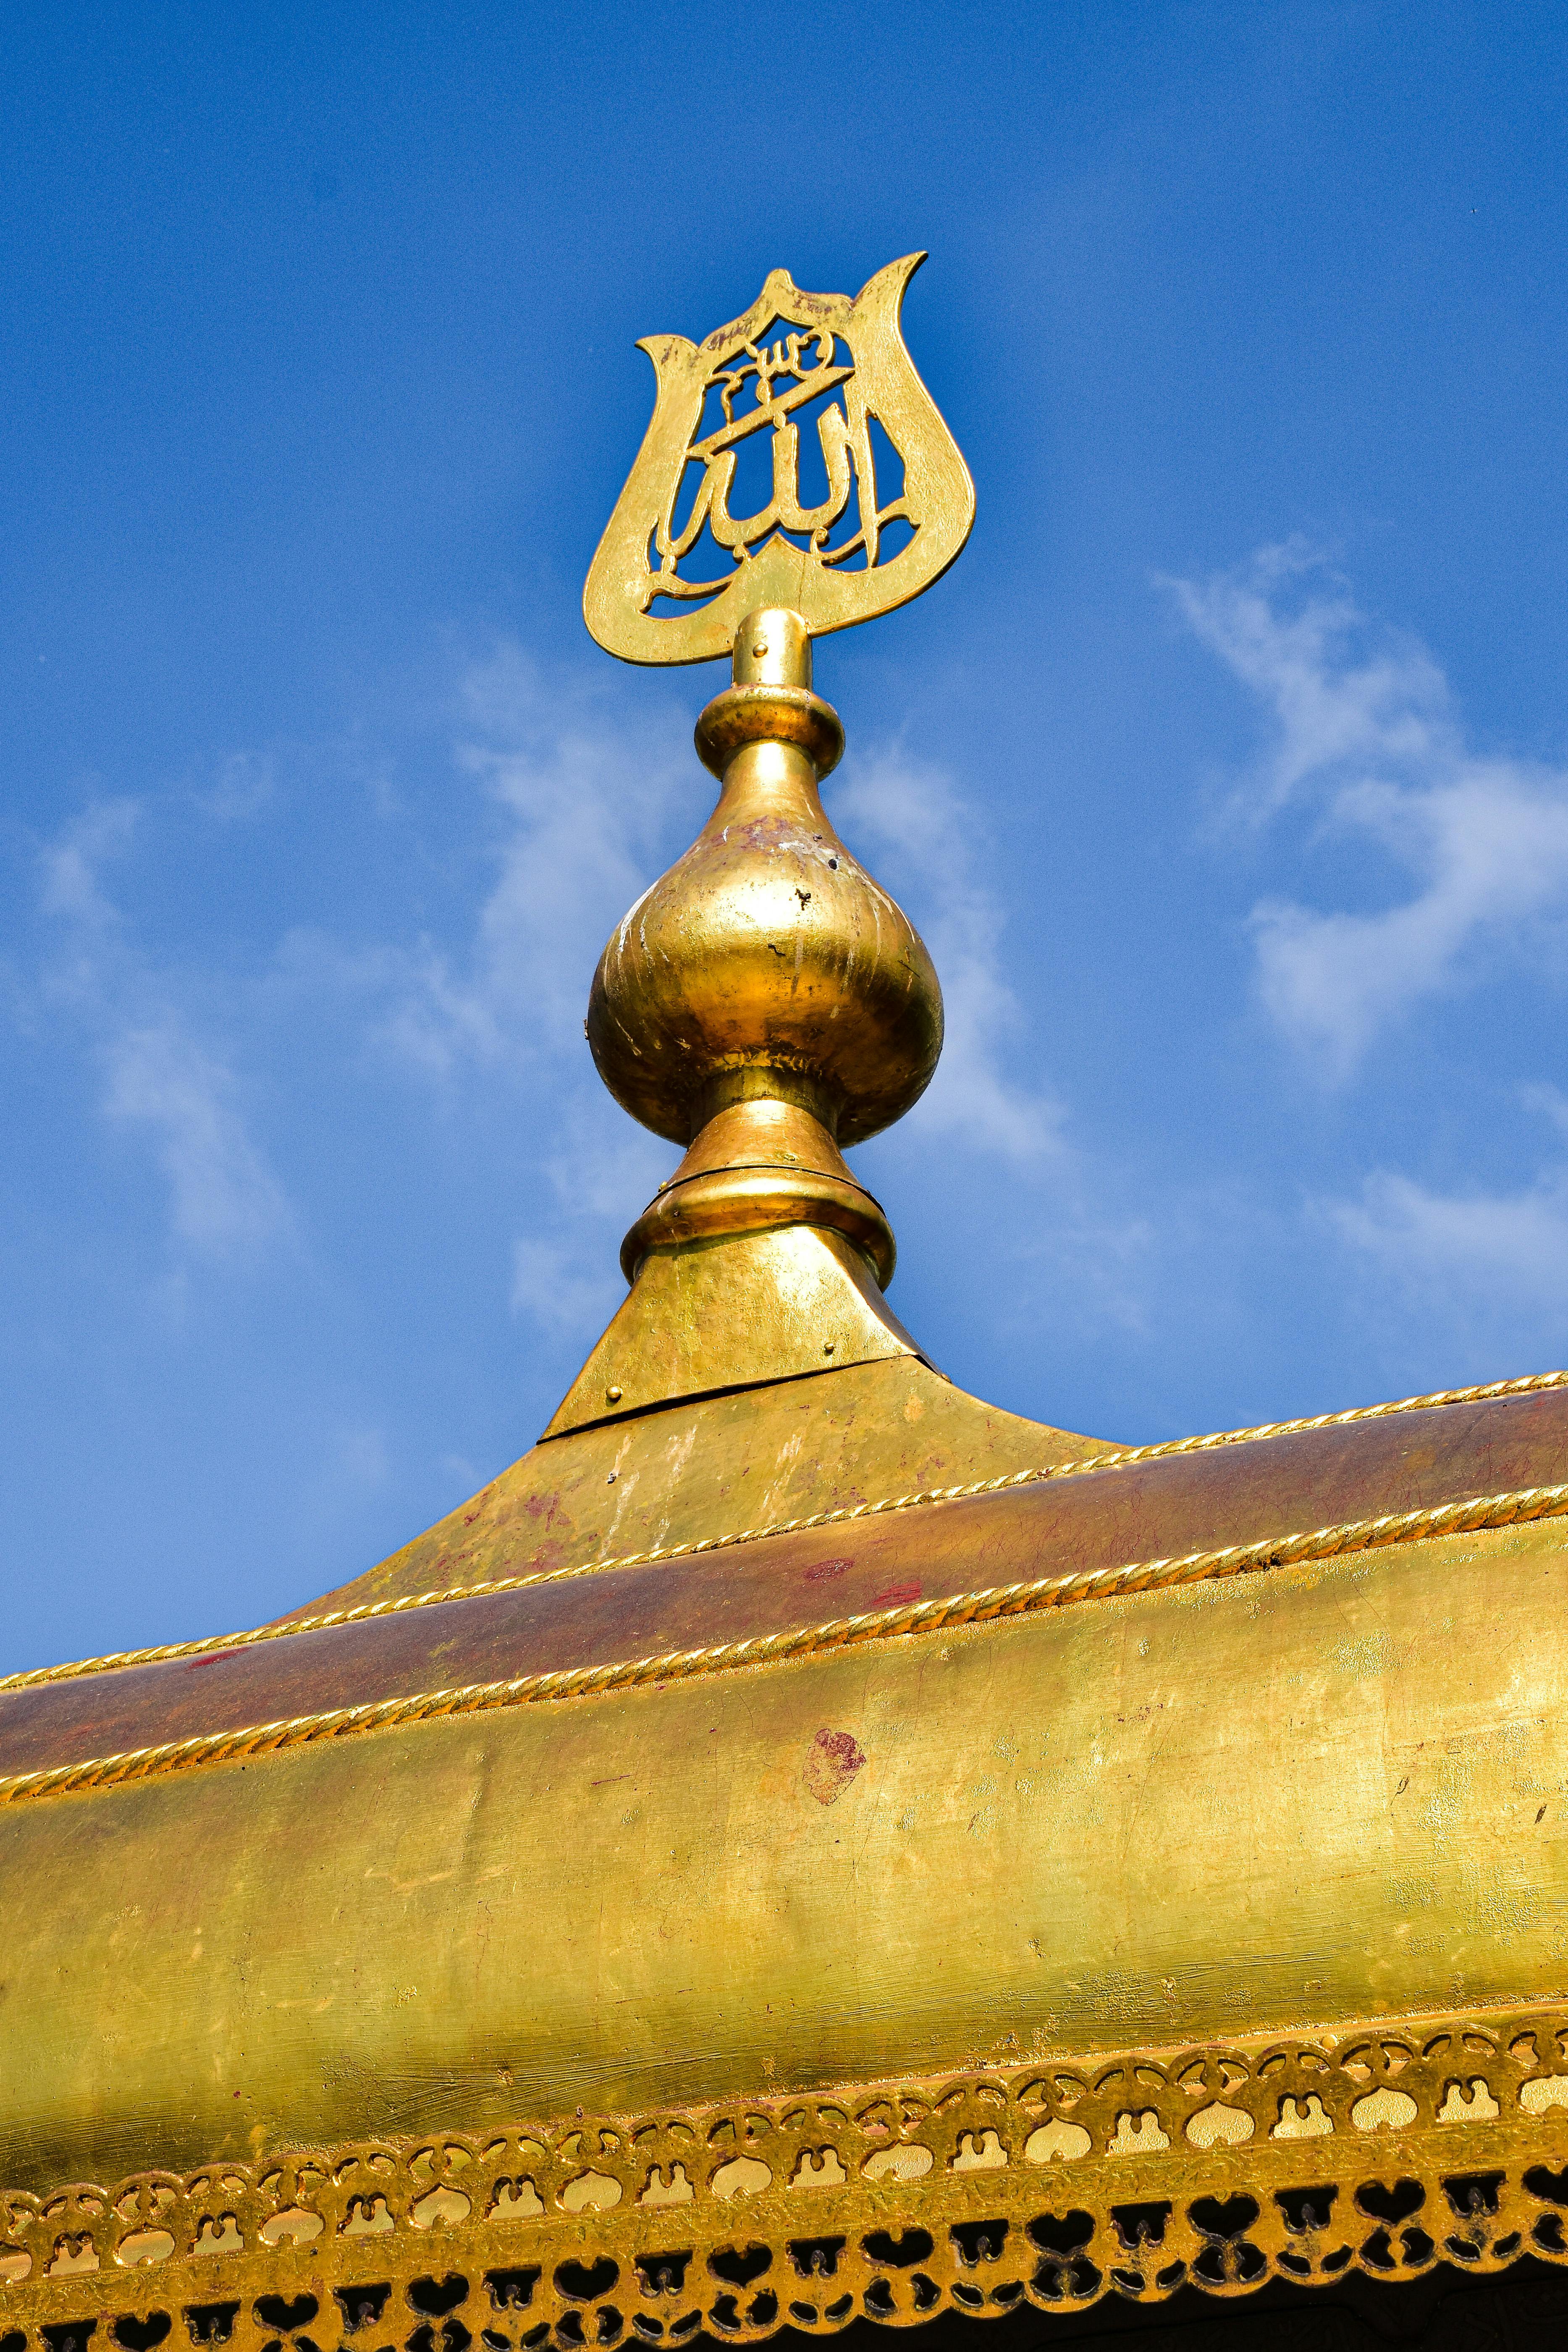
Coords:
224,1197
583,801
1363,729
558,1288
70,868
589,809
243,786
1470,1248
1472,1281
1064,1236
1487,1270
159,1076
1341,693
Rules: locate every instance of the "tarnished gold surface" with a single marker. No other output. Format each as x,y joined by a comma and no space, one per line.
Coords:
658,1485
1325,1793
765,952
759,1162
549,1686
770,700
829,563
842,1514
764,1000
733,1310
766,947
1383,2150
1045,1540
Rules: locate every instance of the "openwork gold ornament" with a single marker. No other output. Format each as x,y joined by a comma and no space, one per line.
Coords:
1389,2150
882,532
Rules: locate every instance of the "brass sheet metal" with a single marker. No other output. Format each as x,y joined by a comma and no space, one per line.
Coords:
902,1620
766,957
1505,1509
1325,1793
736,1312
1147,1511
715,1467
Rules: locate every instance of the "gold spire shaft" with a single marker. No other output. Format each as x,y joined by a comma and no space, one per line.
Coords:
770,1080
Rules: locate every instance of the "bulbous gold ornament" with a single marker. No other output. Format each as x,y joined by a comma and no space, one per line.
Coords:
766,952
766,1001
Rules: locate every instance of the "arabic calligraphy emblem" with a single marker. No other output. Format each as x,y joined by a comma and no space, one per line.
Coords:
681,562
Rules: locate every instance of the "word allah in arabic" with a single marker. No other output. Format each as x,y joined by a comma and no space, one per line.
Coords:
781,377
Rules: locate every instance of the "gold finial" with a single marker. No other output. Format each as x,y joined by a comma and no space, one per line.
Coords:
766,1002
832,565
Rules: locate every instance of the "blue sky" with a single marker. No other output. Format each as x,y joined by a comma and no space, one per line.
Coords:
1227,774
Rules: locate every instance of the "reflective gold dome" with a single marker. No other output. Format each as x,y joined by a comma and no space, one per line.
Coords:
767,960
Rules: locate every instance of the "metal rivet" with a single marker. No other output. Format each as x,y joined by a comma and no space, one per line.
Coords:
614,1395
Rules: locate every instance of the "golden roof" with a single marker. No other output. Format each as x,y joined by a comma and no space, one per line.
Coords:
801,1844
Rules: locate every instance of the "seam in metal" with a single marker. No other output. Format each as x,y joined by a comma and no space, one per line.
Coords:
1482,1511
365,1611
796,1168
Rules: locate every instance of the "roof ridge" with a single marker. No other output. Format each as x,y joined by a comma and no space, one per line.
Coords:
364,1612
1478,1512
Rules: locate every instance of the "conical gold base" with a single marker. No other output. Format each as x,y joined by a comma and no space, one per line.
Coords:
732,1312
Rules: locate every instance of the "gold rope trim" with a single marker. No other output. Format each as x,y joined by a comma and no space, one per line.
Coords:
367,1610
1480,1511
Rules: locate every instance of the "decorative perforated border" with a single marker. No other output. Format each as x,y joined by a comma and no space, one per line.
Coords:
1386,2151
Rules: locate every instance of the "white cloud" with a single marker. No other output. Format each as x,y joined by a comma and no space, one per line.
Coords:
1550,1101
1364,730
1341,695
586,801
362,1457
1062,1233
1488,1269
1491,1262
243,786
159,1077
554,1286
587,805
70,869
224,1198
